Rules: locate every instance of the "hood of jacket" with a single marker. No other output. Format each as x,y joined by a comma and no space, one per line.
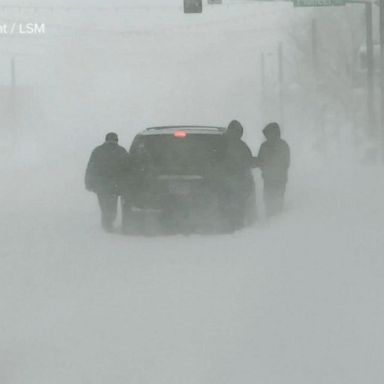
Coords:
272,131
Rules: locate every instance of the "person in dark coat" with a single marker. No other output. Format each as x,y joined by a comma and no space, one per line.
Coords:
104,175
240,187
273,160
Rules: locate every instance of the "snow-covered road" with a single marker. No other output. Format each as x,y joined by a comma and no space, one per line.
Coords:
295,300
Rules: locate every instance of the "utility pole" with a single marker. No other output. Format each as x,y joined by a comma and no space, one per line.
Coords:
315,68
371,115
263,89
262,73
281,82
381,135
13,72
314,49
12,103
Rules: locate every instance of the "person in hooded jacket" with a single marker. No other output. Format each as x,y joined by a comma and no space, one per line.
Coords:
104,175
273,160
240,187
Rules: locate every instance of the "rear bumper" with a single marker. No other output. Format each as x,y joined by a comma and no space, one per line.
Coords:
164,192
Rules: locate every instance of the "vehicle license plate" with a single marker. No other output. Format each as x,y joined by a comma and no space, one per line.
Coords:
179,187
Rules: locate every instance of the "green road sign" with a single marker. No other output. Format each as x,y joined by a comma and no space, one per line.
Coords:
193,6
318,3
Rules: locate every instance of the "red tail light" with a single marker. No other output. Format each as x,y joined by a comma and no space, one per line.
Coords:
180,134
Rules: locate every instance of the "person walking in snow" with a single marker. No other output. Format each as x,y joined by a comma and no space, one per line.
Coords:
240,187
273,160
104,175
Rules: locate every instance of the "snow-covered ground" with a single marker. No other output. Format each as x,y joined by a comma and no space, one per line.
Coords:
294,300
297,299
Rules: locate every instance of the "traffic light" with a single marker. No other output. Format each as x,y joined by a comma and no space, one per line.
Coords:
193,6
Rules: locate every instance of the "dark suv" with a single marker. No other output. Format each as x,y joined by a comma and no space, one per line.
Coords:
180,182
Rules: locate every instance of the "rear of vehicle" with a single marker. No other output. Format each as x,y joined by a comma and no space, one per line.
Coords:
179,179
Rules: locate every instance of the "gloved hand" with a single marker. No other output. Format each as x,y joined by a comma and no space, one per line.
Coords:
255,162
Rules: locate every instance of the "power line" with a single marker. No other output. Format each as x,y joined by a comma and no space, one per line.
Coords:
117,8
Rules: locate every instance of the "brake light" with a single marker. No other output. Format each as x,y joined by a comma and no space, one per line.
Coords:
180,134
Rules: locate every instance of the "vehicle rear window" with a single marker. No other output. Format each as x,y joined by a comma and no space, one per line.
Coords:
195,151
